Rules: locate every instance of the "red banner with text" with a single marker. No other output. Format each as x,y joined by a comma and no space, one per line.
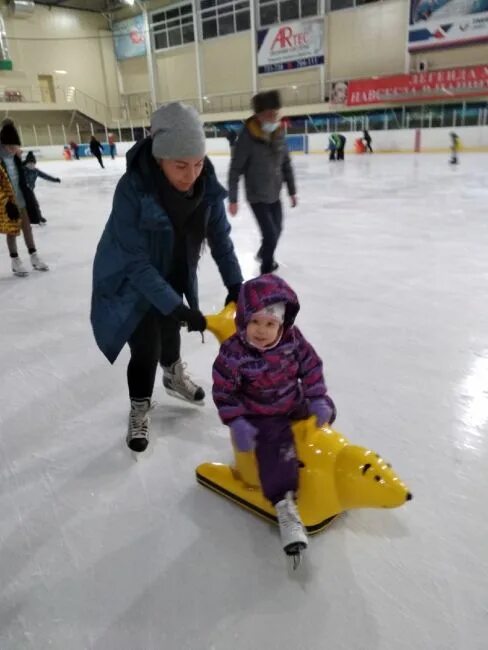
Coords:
471,81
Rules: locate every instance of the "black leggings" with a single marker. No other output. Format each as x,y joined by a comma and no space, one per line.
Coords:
270,220
155,340
99,158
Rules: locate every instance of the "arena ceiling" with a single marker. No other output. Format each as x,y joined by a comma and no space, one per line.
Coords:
87,5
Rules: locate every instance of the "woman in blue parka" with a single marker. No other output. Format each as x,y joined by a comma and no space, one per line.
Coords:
166,205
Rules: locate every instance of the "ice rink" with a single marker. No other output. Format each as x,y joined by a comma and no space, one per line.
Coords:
389,257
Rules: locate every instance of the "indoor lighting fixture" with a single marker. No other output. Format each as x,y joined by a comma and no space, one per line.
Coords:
60,72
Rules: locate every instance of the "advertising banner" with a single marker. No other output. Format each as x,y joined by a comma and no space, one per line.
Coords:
444,23
470,81
129,38
297,44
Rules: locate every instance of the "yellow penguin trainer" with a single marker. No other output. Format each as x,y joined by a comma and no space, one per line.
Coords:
335,475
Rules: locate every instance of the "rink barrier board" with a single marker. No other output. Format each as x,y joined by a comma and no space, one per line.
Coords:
435,140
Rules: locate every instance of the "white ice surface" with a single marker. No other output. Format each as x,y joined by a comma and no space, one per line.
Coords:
389,256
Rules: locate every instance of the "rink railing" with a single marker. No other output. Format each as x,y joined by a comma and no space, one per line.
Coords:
453,117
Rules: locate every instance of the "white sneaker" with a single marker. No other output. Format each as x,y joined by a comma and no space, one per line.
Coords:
292,531
178,383
138,432
18,268
37,263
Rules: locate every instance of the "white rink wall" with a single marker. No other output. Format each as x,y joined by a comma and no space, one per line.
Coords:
473,138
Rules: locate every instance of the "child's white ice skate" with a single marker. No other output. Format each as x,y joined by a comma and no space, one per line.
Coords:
293,535
37,263
178,383
18,268
138,432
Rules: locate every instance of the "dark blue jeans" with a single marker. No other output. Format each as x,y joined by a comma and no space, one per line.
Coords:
270,221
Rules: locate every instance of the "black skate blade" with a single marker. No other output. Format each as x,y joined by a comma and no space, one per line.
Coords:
295,559
294,554
173,393
297,547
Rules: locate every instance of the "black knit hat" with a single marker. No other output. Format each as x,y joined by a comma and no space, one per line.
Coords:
8,133
30,158
266,101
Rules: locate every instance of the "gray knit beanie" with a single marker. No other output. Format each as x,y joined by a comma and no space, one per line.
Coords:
177,132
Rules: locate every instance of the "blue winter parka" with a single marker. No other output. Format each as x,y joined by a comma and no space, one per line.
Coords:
134,256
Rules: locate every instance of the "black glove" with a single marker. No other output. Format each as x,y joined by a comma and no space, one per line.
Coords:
58,180
233,294
194,318
12,211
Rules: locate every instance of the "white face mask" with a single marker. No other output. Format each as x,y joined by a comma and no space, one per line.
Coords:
269,127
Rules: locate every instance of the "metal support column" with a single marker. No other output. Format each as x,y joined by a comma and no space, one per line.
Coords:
198,62
254,63
151,67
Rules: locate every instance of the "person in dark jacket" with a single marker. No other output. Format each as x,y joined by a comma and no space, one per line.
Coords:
166,205
367,141
23,210
111,145
341,146
96,149
455,145
261,154
75,149
32,174
231,136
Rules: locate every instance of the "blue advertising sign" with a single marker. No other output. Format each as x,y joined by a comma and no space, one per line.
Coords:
446,23
129,38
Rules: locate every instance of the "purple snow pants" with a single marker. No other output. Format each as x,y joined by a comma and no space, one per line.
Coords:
276,455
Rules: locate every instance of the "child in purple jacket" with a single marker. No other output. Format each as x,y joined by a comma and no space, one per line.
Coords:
265,376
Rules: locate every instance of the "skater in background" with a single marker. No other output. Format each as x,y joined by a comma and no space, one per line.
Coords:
341,146
261,155
111,144
18,204
333,145
231,136
166,205
367,141
336,146
75,149
265,376
454,148
32,173
96,149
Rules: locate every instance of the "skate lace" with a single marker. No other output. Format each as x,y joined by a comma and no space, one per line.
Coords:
183,378
138,419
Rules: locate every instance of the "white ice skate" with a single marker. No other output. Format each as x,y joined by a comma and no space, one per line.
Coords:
37,263
293,535
18,268
138,432
178,384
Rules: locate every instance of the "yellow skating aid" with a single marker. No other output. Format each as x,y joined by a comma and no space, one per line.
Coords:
335,475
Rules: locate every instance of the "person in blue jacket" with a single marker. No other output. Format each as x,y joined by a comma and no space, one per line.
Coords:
166,206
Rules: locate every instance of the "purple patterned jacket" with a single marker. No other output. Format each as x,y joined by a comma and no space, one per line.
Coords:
248,381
